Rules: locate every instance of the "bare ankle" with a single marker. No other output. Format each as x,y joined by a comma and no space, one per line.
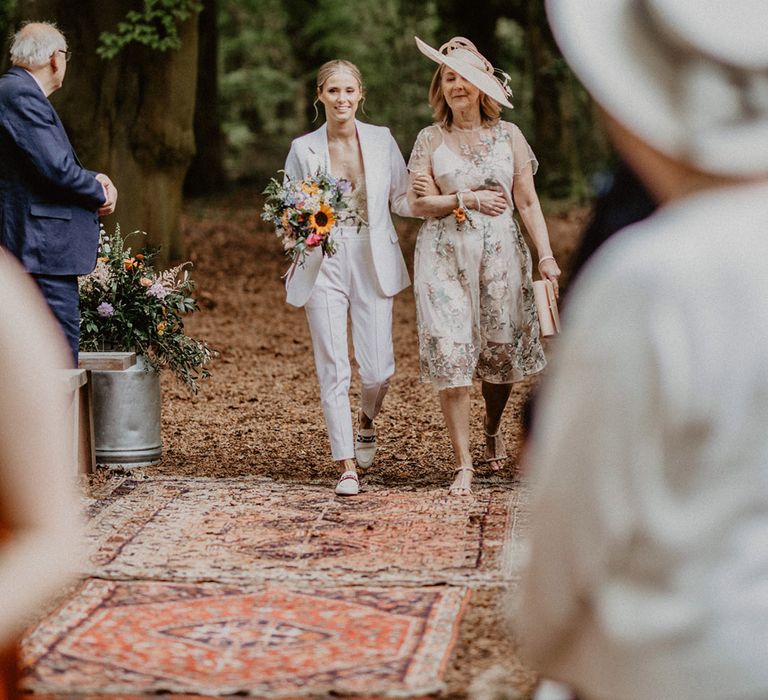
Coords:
366,423
347,465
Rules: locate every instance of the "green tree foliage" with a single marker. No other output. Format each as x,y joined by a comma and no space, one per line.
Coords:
271,50
156,25
7,15
262,98
377,35
7,9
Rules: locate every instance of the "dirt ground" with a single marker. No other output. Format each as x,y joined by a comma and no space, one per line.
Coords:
260,415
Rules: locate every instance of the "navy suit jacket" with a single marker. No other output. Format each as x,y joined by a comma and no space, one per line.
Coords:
48,201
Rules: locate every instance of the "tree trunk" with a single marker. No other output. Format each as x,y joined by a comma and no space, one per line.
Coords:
474,20
130,117
206,173
569,142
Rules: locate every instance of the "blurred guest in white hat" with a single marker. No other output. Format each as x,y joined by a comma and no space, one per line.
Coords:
648,570
476,315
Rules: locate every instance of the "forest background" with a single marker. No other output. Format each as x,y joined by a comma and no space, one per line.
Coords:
175,98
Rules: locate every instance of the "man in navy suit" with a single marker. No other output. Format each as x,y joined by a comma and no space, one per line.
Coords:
49,204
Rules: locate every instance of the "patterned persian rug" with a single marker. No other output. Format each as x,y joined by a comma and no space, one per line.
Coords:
251,530
143,637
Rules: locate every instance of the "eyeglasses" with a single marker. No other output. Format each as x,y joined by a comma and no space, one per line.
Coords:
67,54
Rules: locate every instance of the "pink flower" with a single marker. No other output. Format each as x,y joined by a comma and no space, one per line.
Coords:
313,239
158,291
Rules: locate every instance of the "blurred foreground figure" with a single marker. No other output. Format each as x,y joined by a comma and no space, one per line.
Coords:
39,528
648,575
626,201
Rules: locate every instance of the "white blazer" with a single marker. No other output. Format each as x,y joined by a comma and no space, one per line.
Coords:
386,181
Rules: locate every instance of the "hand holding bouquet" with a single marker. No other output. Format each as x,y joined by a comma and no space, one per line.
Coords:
305,211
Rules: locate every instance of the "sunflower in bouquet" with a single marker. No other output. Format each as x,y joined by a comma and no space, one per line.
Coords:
304,212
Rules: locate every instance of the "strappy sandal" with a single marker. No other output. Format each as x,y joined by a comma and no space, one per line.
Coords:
365,445
348,484
454,490
496,437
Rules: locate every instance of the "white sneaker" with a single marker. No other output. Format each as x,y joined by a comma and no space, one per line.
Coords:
348,484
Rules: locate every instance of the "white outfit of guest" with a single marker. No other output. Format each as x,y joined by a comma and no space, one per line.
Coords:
359,280
649,541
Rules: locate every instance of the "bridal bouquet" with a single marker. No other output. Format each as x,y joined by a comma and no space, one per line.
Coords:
305,211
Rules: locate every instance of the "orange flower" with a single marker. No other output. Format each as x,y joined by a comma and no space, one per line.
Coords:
129,263
103,258
322,220
284,220
310,188
161,327
460,214
139,256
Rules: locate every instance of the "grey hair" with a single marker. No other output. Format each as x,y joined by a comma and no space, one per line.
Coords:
35,43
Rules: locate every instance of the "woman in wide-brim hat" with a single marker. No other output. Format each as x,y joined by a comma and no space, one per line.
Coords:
476,315
649,451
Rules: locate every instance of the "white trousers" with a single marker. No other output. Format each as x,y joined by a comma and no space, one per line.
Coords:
346,286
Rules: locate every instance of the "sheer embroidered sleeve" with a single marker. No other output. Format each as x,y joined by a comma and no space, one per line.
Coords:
420,162
522,154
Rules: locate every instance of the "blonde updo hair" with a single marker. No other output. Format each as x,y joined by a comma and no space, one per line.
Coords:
490,110
338,65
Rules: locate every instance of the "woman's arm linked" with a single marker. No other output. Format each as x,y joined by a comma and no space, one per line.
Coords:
427,201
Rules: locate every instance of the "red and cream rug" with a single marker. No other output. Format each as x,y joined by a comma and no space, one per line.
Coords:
141,637
251,530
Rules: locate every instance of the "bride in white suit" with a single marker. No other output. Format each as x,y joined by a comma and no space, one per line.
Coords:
366,271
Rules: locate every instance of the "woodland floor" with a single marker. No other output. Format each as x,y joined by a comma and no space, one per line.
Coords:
259,414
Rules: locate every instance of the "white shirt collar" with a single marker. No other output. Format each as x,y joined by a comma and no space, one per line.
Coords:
39,84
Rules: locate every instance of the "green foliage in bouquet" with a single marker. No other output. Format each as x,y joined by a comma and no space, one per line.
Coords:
125,305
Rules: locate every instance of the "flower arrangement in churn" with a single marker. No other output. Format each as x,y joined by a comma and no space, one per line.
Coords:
126,305
304,212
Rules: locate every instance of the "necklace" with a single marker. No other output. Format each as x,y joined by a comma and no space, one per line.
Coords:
467,129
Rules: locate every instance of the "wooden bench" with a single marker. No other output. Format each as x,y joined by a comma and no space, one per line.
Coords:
106,360
82,458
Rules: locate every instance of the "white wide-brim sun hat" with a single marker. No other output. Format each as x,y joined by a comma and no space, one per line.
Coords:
470,65
689,77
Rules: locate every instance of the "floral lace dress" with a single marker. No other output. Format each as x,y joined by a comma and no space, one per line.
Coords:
472,280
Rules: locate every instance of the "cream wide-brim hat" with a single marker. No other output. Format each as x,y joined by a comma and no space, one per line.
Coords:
689,78
471,67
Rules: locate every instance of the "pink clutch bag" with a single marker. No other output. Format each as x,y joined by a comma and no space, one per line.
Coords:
546,307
